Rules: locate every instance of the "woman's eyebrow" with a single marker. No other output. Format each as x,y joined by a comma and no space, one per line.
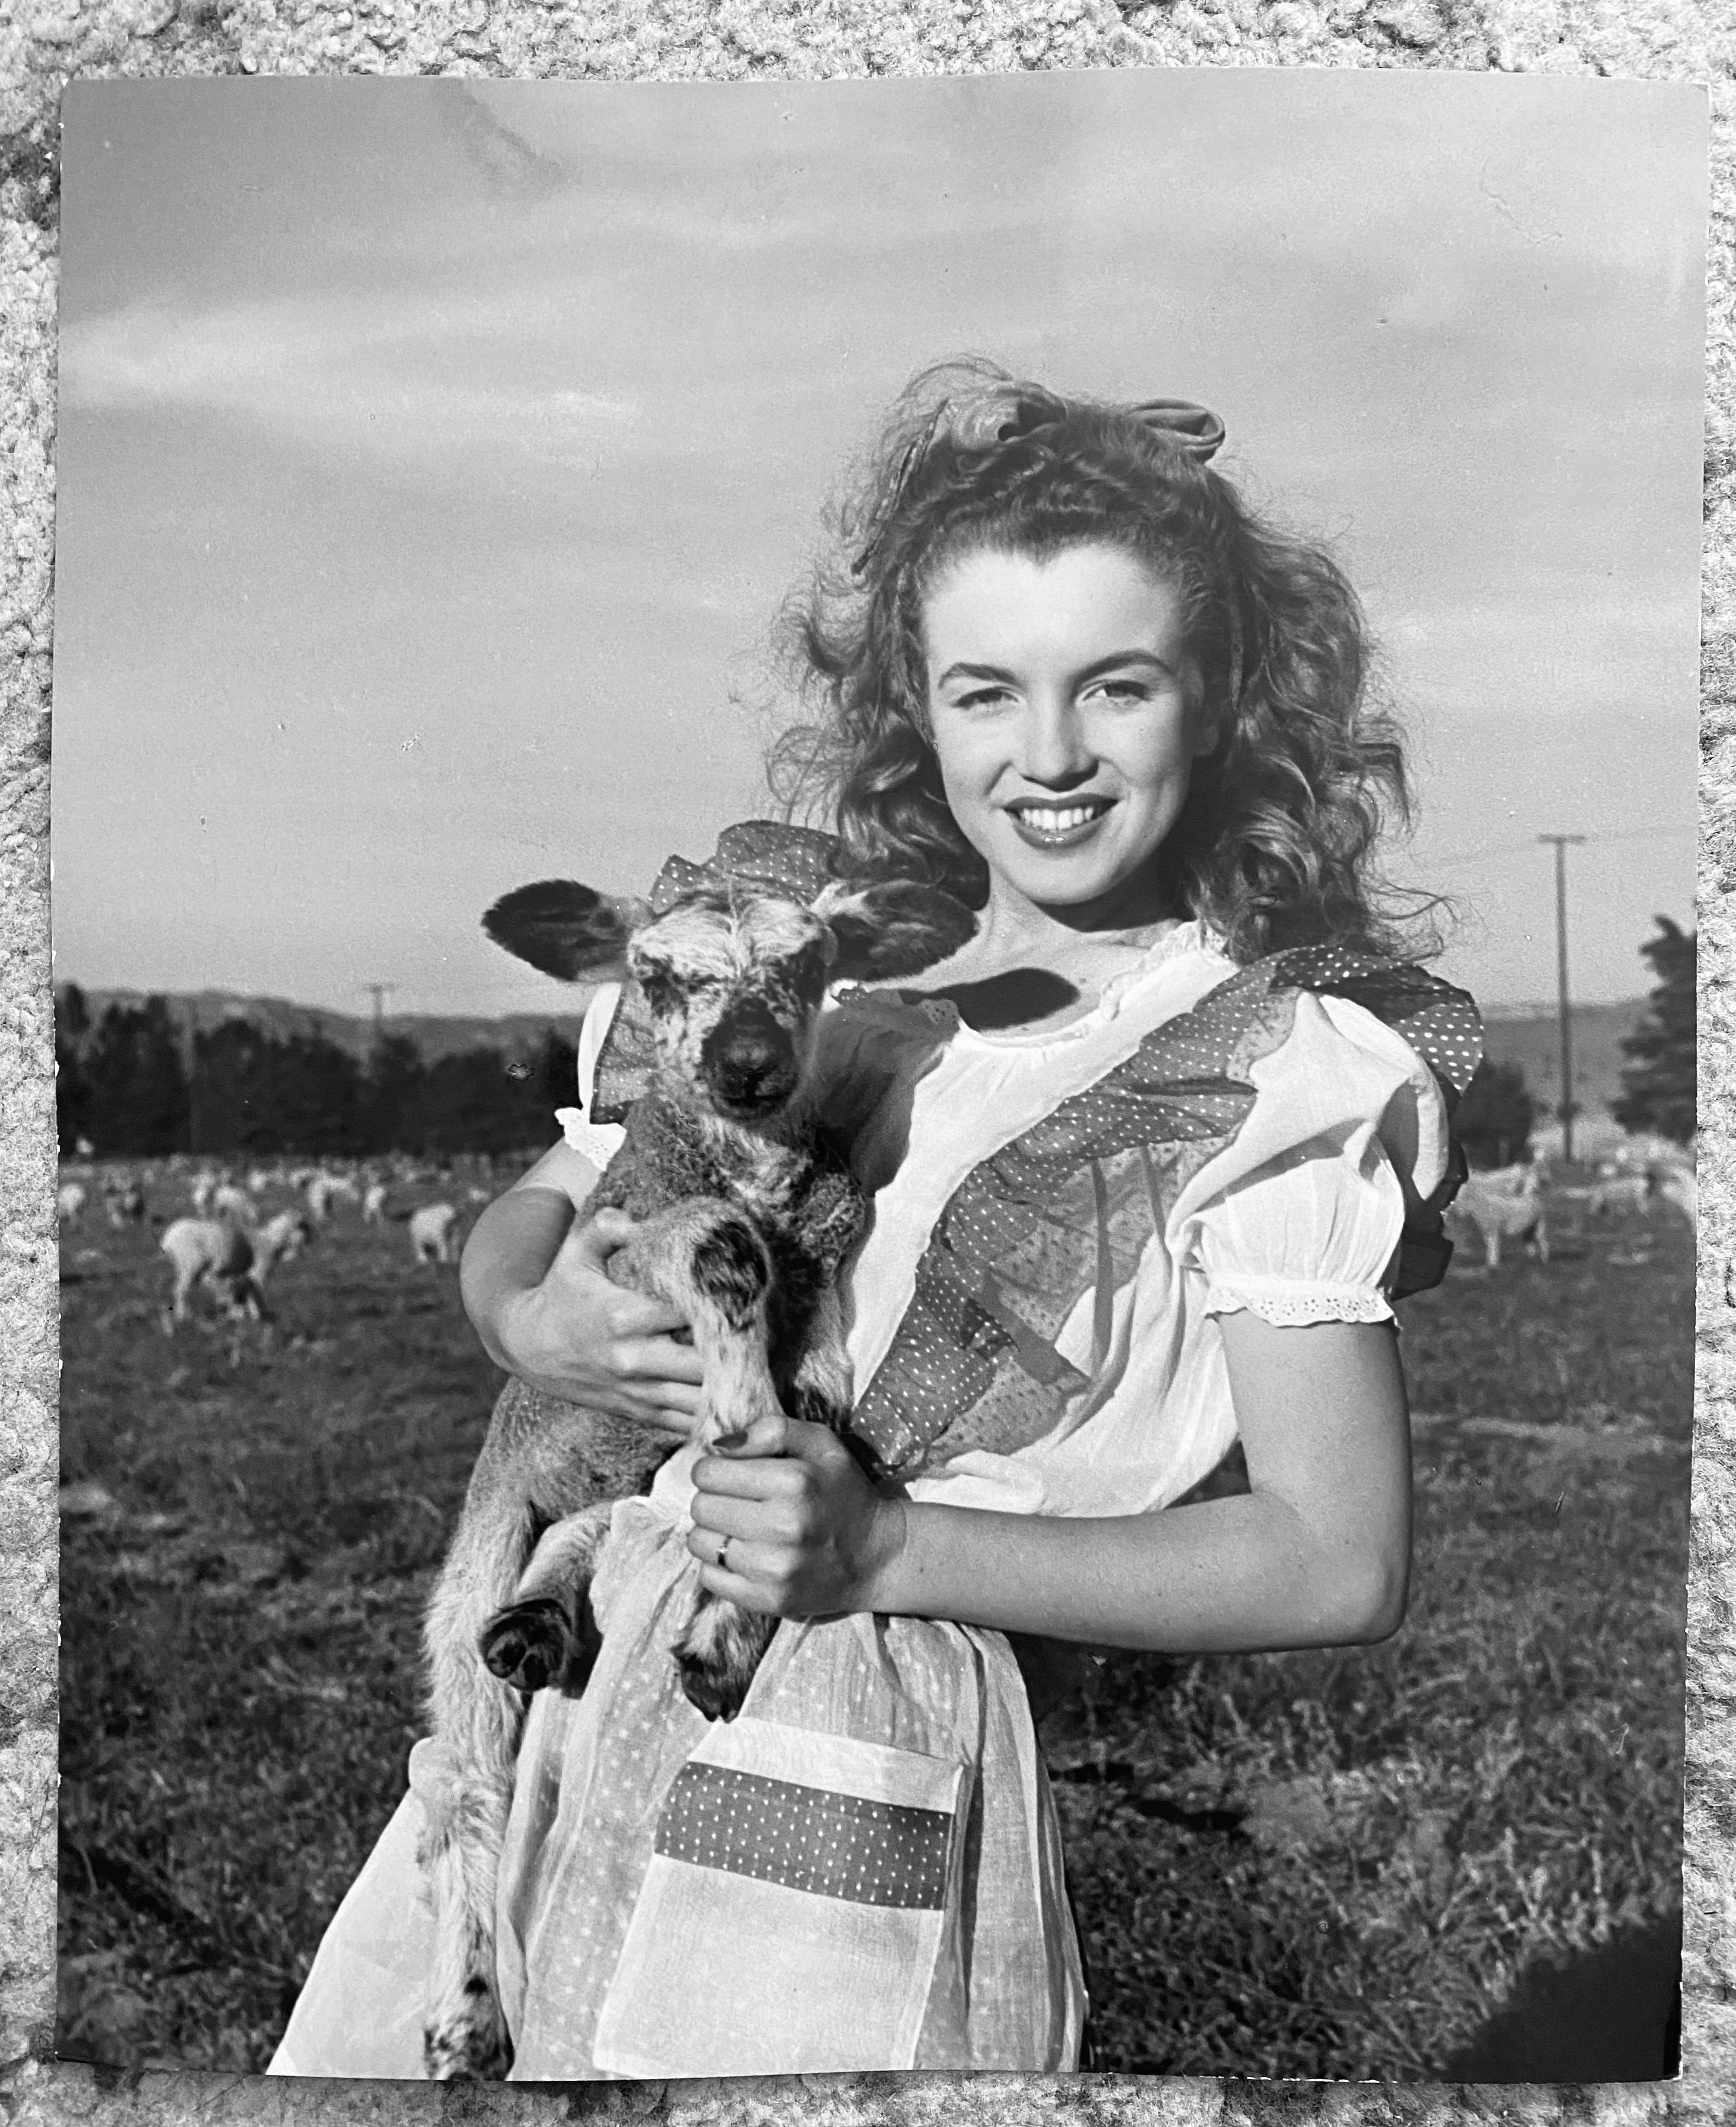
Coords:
1121,658
1098,665
962,671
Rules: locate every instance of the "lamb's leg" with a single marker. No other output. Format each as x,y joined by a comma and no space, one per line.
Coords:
548,1634
725,1643
712,1264
477,1719
1492,1245
822,1391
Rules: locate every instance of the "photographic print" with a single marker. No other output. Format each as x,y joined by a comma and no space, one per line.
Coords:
874,957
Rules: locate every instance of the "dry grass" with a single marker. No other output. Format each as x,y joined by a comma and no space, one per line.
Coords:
1337,1864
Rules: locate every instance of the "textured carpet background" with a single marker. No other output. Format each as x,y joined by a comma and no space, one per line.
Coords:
45,43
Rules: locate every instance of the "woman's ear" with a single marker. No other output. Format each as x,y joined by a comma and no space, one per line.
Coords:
892,930
567,929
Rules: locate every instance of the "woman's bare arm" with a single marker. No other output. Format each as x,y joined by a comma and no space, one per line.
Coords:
536,1286
1316,1554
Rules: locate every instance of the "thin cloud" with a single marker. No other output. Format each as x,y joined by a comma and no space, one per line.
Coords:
336,373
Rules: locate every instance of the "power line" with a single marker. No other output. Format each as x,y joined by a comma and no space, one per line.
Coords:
1516,849
1561,842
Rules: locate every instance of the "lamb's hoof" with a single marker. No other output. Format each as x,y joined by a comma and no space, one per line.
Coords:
815,1407
711,1688
469,2042
532,1645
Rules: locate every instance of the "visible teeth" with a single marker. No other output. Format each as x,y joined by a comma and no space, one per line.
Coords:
1056,819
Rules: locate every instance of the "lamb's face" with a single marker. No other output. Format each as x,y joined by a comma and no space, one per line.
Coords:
735,983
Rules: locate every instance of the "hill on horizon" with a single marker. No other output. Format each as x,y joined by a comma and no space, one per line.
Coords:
1525,1035
1528,1036
435,1034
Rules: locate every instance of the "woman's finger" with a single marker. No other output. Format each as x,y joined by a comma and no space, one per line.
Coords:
766,1435
763,1478
735,1580
658,1359
640,1314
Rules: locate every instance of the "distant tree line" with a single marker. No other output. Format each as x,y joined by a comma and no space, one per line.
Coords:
1660,1082
132,1083
1494,1120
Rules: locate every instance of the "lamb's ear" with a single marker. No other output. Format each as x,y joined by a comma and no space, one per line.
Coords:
892,930
565,929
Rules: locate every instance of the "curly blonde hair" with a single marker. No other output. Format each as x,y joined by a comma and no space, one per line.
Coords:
1274,844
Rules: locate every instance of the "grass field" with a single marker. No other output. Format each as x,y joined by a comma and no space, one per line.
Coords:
1456,1853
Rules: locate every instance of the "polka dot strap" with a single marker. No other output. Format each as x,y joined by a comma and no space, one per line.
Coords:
1032,1229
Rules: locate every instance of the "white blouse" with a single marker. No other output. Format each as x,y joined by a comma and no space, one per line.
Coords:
1298,1219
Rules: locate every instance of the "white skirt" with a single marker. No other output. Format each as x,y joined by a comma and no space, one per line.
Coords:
862,1871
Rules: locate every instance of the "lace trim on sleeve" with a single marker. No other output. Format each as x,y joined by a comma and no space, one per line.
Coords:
1288,1301
597,1142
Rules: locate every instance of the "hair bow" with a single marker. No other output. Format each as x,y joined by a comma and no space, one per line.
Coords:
1000,412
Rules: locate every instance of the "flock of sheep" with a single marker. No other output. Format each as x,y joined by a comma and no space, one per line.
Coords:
237,1228
1632,1174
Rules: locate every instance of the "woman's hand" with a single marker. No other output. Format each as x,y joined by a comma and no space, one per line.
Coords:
576,1335
809,1536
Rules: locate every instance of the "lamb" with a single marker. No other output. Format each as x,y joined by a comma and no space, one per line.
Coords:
233,1261
70,1202
230,1202
1626,1193
746,1217
1680,1185
373,1204
124,1201
322,1192
434,1233
1506,1202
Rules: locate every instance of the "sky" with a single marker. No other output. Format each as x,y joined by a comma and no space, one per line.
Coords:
434,458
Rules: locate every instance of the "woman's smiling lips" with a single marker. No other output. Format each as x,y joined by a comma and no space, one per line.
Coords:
1047,824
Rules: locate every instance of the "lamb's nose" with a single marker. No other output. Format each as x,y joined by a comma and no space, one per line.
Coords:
749,1061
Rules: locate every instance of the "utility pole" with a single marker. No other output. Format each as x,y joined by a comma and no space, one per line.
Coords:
379,992
1563,1006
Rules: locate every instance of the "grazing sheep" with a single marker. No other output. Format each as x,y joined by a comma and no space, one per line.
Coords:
70,1202
201,1191
1622,1192
434,1233
124,1201
373,1204
1505,1202
322,1190
230,1202
1680,1185
233,1261
745,1216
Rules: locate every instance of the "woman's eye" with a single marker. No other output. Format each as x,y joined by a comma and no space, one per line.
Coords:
982,697
1122,690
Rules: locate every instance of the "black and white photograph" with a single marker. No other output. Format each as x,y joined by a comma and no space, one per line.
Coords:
874,957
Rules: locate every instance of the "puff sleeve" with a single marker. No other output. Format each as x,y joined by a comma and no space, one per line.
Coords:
1298,1220
597,1142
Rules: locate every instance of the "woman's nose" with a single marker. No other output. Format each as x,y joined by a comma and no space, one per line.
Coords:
1056,748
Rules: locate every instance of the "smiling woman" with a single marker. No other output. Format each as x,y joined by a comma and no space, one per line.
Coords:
1165,1208
1070,762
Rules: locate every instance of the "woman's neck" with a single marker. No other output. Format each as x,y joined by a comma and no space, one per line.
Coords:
1017,932
1030,967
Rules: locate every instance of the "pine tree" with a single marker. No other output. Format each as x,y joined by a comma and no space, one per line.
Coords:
1658,1086
394,1095
138,1086
1493,1120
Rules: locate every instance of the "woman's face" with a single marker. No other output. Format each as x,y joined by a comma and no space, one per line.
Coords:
1066,716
